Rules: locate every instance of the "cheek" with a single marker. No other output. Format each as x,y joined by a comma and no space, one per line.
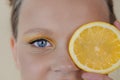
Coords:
33,67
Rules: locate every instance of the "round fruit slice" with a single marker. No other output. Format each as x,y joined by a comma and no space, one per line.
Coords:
95,47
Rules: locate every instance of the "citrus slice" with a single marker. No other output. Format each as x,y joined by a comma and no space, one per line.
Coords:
95,47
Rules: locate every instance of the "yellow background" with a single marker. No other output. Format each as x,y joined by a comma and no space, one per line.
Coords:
8,70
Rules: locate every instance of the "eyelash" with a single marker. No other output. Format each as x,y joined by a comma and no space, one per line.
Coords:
41,43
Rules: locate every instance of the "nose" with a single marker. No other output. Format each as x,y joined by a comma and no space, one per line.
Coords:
63,66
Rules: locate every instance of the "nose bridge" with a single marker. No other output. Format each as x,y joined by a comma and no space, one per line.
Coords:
64,61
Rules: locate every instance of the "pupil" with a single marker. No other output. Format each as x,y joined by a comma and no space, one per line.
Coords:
42,43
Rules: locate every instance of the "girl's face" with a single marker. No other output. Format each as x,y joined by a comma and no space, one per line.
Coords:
44,30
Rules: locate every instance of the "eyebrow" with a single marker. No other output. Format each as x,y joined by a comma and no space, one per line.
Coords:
38,30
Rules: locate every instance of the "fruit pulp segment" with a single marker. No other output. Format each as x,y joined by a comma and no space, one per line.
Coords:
97,47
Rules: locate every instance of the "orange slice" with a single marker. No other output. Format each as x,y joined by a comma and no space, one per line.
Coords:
95,47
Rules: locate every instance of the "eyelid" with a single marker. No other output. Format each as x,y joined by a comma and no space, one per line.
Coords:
32,38
31,42
39,38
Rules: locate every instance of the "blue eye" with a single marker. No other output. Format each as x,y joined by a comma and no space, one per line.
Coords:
41,43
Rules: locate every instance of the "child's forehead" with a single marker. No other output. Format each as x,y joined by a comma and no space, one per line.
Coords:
64,5
43,3
62,11
59,14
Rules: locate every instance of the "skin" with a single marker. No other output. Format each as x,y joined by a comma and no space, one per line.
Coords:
54,20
